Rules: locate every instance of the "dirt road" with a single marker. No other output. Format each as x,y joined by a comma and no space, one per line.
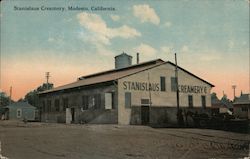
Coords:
58,141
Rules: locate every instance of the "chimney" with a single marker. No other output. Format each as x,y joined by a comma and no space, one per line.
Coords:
137,58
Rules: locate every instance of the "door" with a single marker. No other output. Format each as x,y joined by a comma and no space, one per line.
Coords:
73,115
68,116
144,115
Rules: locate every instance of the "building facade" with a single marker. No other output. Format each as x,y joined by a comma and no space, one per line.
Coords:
242,106
20,111
144,93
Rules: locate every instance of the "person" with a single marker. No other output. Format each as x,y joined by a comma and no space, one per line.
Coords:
180,118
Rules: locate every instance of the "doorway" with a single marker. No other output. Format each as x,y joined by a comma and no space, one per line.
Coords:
145,111
144,115
70,115
73,115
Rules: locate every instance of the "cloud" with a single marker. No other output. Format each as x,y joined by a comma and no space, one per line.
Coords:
102,50
50,39
185,49
165,49
146,14
100,32
115,17
167,24
146,50
210,57
231,44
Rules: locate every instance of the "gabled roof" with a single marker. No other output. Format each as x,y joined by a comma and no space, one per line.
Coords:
107,76
190,73
20,104
243,99
114,74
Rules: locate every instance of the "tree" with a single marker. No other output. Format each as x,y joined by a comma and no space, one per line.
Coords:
32,96
214,96
4,99
224,98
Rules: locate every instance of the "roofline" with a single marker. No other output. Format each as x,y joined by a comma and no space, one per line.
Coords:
119,69
49,91
191,74
173,65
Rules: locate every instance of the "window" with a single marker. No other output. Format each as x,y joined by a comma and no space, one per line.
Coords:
85,102
163,84
65,103
57,105
145,102
203,102
19,113
43,106
244,109
48,105
173,84
190,101
97,103
127,99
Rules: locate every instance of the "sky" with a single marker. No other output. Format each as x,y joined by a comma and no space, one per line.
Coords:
210,37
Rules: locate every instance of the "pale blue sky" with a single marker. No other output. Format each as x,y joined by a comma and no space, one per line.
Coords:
210,38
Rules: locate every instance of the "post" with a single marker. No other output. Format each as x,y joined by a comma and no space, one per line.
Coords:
10,94
47,80
176,78
234,87
137,58
150,102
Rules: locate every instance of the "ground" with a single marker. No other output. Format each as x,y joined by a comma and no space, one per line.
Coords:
58,141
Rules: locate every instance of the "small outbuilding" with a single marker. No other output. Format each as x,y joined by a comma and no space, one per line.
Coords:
20,111
242,106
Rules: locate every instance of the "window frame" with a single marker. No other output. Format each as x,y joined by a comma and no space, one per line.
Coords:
163,83
57,105
65,103
173,84
190,101
203,102
128,103
19,113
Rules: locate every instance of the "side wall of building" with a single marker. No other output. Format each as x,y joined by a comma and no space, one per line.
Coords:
88,105
26,113
138,86
242,111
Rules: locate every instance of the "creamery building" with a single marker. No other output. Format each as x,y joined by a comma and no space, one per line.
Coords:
144,93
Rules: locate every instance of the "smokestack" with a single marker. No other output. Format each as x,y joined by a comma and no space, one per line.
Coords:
137,58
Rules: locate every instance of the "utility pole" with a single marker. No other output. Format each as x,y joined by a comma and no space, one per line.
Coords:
10,94
176,78
150,98
234,87
47,78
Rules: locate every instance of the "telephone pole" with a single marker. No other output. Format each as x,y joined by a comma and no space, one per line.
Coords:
234,87
47,79
176,78
10,94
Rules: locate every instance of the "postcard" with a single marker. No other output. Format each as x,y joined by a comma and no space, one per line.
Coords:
124,79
